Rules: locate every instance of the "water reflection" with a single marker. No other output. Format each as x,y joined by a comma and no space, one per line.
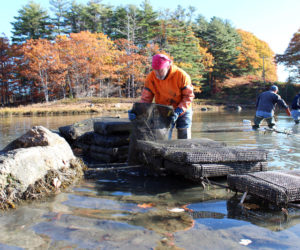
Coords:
134,210
262,216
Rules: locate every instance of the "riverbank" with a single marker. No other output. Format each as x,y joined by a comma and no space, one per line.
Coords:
99,106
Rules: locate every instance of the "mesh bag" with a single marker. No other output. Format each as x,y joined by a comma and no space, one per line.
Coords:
276,187
214,155
152,123
92,138
198,171
200,151
112,126
114,151
105,158
154,156
72,132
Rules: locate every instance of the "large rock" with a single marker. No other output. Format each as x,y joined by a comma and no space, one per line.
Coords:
37,136
35,164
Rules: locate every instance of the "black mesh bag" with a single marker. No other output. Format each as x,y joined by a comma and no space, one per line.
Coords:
153,122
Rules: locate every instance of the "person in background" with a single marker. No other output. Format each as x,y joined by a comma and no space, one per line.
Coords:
296,108
170,85
265,106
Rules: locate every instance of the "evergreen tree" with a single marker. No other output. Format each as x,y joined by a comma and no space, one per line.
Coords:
148,23
59,8
32,22
184,47
222,41
91,17
178,39
126,23
74,18
116,23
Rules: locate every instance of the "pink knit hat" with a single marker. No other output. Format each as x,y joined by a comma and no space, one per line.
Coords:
160,61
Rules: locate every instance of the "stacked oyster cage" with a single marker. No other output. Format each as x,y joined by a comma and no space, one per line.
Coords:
196,159
192,158
102,140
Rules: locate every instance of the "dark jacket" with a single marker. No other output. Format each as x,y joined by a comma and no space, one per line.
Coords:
296,102
267,101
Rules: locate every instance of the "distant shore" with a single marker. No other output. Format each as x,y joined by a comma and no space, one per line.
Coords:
97,106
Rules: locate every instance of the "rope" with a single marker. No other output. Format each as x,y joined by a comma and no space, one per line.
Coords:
209,182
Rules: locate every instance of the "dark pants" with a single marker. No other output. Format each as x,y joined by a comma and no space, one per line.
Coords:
258,119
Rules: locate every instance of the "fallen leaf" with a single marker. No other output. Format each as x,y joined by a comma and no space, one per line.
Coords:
145,205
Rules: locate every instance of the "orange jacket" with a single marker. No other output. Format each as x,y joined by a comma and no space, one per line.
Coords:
176,90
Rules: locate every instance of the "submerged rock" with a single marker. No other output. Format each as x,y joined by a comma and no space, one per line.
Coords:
36,164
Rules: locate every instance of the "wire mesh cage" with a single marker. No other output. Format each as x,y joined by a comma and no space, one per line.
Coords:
197,158
279,187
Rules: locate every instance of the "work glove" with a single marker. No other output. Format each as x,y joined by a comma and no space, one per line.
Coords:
131,115
177,112
288,112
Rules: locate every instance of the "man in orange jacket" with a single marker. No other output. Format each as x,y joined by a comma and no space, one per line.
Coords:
170,85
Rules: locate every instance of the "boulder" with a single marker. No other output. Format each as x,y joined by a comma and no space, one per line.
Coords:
36,136
37,163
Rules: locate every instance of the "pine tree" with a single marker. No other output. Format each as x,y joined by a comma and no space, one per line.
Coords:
91,17
59,8
74,18
148,23
178,40
222,41
32,22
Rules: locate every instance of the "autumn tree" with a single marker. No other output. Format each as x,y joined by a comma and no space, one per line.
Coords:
256,57
291,57
32,23
7,70
133,66
90,60
43,65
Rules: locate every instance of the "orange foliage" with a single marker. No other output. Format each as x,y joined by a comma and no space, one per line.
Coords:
7,70
43,64
75,64
256,54
132,63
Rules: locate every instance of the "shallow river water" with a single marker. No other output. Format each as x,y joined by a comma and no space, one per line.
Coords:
130,210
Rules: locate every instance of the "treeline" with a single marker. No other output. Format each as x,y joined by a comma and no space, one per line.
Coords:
101,50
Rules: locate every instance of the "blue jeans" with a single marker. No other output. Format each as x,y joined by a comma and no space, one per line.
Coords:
257,120
295,114
183,121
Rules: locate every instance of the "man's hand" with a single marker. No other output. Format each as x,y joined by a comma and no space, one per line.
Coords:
288,112
177,112
131,115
